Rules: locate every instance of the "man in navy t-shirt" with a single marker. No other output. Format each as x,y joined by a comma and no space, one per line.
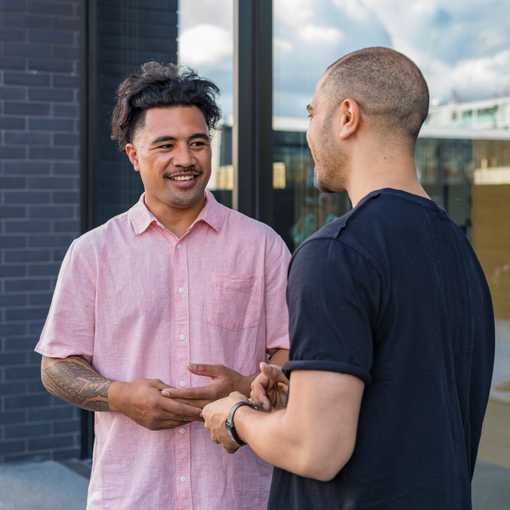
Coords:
391,322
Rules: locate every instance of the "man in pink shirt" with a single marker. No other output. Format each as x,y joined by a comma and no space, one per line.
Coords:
176,279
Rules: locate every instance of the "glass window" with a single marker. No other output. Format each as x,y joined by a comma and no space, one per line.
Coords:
206,43
124,35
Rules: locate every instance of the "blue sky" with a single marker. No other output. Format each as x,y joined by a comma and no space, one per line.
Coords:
461,46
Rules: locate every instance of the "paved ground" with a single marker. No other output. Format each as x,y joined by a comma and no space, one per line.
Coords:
41,486
491,487
495,442
53,486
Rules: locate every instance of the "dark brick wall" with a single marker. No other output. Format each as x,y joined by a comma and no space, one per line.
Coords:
39,213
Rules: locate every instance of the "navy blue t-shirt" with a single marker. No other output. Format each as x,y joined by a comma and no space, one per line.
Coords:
393,293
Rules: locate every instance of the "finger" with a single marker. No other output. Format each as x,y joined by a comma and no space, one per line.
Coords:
274,373
261,379
254,402
205,370
180,409
160,385
259,395
208,393
262,403
194,403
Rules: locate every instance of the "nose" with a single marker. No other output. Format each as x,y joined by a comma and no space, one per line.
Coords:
183,157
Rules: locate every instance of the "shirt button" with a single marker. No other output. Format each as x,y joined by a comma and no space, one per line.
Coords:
183,478
181,337
182,431
181,290
179,246
182,383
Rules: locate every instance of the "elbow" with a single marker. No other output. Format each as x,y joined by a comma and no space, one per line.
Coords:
323,472
45,382
325,475
324,467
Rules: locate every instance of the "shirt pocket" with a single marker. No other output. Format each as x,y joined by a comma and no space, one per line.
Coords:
233,300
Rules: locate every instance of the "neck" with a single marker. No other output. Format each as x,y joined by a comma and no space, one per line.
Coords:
175,219
383,171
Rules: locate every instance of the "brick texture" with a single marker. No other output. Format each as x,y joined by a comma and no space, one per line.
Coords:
39,213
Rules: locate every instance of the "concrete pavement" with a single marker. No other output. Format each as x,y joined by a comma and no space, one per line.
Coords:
41,486
53,486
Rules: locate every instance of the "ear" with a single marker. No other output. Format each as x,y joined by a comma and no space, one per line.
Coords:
133,156
349,117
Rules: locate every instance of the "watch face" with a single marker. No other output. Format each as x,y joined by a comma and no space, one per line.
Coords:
228,426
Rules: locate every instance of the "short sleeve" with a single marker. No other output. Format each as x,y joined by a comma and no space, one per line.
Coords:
277,318
69,328
333,297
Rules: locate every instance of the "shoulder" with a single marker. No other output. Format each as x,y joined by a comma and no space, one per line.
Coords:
238,220
245,226
103,236
381,214
351,240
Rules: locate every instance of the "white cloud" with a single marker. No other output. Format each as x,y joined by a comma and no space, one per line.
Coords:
300,16
354,8
477,78
213,12
458,44
295,13
283,44
320,35
204,45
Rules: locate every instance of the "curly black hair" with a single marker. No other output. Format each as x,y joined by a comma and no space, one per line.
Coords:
160,86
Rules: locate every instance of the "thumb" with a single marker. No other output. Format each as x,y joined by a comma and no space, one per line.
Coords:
203,369
274,373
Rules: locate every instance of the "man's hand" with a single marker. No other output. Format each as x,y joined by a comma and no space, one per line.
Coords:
224,381
215,415
270,388
143,402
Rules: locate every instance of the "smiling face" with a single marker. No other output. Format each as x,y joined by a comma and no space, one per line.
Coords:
172,152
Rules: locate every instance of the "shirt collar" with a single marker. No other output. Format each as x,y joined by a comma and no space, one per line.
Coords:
212,214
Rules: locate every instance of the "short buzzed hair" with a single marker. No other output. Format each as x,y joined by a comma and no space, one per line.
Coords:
387,85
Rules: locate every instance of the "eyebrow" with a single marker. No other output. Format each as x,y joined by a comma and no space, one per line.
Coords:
169,138
309,108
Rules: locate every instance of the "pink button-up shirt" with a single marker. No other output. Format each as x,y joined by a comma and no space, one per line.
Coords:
138,302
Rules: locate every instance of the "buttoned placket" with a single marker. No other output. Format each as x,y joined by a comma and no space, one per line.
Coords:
182,377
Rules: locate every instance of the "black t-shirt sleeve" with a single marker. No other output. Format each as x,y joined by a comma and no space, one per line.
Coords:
333,296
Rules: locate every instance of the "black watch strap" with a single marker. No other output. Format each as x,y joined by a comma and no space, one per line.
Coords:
229,422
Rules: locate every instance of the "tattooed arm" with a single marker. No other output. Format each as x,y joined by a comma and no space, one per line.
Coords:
74,380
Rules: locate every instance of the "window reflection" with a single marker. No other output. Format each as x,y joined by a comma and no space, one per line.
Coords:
206,43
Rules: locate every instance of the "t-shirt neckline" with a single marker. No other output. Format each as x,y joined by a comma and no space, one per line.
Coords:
411,197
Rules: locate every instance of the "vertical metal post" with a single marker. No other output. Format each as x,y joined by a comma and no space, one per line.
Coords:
88,103
87,145
252,140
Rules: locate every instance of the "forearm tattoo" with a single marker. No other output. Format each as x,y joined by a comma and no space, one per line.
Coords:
74,381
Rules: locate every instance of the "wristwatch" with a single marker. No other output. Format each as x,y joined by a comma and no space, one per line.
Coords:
229,423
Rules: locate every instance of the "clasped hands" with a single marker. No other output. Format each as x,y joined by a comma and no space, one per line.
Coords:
157,406
268,394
